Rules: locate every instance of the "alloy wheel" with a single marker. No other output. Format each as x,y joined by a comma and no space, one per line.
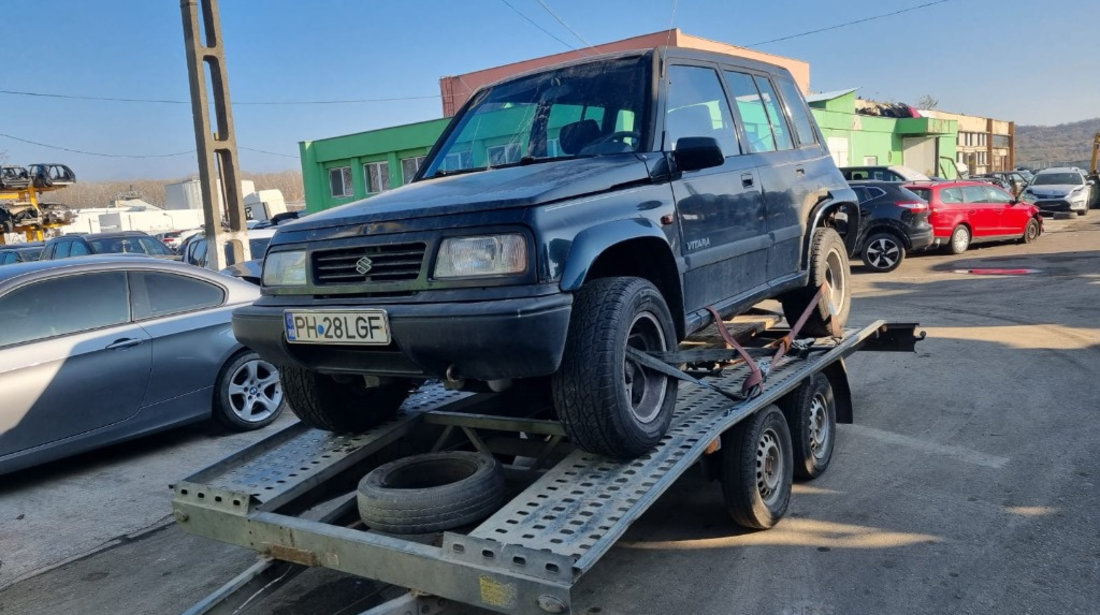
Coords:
255,392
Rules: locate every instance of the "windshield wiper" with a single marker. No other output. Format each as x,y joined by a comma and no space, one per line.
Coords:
445,173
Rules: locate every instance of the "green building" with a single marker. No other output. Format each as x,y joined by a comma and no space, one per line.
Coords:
923,144
342,169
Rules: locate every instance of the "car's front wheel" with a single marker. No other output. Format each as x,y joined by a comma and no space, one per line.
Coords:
340,403
883,252
608,403
1031,233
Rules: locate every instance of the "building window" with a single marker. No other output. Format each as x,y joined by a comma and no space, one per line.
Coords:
1001,141
409,167
339,180
378,176
503,154
458,160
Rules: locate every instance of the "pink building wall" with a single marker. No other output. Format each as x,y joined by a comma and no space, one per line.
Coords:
456,90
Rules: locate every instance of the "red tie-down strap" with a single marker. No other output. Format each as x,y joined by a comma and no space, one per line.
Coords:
754,382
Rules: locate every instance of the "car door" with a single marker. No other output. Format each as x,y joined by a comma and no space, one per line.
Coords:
1014,214
189,325
984,216
76,363
720,209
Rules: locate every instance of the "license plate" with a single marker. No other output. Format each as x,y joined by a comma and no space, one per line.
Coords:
364,327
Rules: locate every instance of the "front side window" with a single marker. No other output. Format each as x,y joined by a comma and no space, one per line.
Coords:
63,306
62,250
754,117
513,122
697,107
339,180
378,176
77,248
975,194
152,246
776,118
161,294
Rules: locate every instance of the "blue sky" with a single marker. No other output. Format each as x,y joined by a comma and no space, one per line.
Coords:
1032,62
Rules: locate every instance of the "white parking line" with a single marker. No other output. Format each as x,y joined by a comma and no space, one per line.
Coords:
962,454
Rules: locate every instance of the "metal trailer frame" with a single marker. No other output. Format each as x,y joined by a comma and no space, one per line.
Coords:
526,557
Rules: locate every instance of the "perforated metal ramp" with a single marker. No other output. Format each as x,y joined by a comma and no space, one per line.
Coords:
584,504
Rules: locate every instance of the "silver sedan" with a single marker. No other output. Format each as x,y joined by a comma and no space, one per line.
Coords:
95,350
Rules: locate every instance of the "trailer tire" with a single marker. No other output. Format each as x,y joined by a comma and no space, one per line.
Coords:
828,263
811,418
341,406
757,469
432,492
607,404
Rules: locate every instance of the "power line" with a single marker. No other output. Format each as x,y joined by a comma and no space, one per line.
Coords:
562,22
139,156
849,23
164,101
534,23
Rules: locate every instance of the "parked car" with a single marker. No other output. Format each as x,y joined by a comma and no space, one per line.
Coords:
966,212
994,180
1061,189
20,252
891,173
893,221
171,239
100,349
197,253
119,242
619,196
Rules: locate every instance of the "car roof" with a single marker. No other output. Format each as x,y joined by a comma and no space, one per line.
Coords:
1060,170
946,183
105,262
106,235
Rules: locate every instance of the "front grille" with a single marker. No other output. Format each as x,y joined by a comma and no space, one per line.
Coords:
394,262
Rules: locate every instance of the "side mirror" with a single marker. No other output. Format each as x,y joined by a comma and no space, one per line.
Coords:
694,153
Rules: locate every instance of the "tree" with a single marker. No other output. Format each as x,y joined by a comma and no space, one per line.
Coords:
927,102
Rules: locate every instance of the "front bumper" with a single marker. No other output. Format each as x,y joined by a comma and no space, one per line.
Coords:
481,340
1061,205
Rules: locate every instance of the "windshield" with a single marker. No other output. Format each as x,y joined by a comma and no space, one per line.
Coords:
1051,179
589,109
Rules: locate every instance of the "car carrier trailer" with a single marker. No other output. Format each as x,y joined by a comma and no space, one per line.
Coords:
292,496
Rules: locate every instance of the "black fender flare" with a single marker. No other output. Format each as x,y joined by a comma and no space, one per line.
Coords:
590,243
831,201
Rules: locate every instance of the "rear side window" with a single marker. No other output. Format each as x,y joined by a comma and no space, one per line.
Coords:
975,194
924,193
776,118
800,116
697,107
62,306
62,249
951,195
160,294
152,246
753,116
78,249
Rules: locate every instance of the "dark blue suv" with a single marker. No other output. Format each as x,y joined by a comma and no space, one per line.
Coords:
563,216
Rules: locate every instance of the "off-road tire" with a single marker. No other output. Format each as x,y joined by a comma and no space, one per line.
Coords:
756,470
590,389
326,403
828,262
432,492
248,393
810,411
883,252
959,241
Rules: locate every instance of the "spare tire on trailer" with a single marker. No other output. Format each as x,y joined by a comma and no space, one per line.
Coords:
430,492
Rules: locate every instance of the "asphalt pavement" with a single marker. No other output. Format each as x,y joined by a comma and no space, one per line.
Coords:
966,485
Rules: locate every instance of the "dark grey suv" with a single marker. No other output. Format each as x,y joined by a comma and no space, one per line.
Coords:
564,216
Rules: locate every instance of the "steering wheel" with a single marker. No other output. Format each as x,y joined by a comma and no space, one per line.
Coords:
618,137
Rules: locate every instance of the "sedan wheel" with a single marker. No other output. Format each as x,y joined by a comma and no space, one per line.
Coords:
883,252
250,394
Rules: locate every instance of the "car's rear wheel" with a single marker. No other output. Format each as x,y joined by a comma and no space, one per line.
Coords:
608,403
340,404
960,240
883,252
828,263
249,393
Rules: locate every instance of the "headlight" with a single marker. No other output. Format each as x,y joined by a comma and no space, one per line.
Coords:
471,257
285,268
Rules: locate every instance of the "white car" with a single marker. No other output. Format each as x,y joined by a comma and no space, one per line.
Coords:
1060,189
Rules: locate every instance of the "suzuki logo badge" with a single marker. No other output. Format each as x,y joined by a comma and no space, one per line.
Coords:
364,265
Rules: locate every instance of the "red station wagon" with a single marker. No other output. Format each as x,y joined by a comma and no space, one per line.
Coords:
965,212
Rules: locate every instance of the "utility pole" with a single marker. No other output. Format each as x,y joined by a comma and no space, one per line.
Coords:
202,40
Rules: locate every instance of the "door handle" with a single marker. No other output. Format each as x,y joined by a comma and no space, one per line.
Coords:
799,171
126,342
746,180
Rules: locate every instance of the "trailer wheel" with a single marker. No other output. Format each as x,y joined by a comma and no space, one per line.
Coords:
811,418
432,492
757,469
828,263
340,405
608,404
